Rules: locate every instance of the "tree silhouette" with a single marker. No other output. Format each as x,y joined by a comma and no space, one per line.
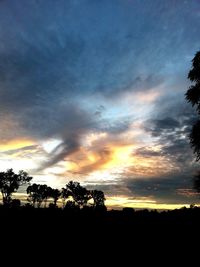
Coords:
65,194
34,194
10,183
55,194
193,96
80,194
37,193
98,198
45,192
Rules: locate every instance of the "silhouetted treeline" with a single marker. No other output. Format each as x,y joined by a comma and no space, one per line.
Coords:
81,224
73,196
74,217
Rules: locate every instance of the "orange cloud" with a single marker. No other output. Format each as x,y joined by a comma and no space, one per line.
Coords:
116,157
105,155
15,144
100,155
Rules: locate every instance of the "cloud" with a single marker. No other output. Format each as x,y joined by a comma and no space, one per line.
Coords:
72,124
101,152
44,63
147,152
171,188
162,126
164,189
70,70
21,150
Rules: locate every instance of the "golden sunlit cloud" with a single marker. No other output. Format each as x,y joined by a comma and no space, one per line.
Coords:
101,157
109,158
16,144
19,154
121,156
104,157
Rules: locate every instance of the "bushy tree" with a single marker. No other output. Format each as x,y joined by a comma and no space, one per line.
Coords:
10,183
65,194
98,198
33,194
79,193
55,194
38,193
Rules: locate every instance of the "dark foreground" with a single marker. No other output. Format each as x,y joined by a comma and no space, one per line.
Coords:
56,233
88,221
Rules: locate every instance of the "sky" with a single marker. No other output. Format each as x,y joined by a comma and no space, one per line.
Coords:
93,91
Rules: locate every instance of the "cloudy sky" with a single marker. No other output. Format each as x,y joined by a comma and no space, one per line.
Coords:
93,91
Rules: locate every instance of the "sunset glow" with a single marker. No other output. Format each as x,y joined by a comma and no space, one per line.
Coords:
94,92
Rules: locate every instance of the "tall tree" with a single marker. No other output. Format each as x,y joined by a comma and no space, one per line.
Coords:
193,96
98,198
34,195
38,193
55,194
45,192
10,183
65,194
79,193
